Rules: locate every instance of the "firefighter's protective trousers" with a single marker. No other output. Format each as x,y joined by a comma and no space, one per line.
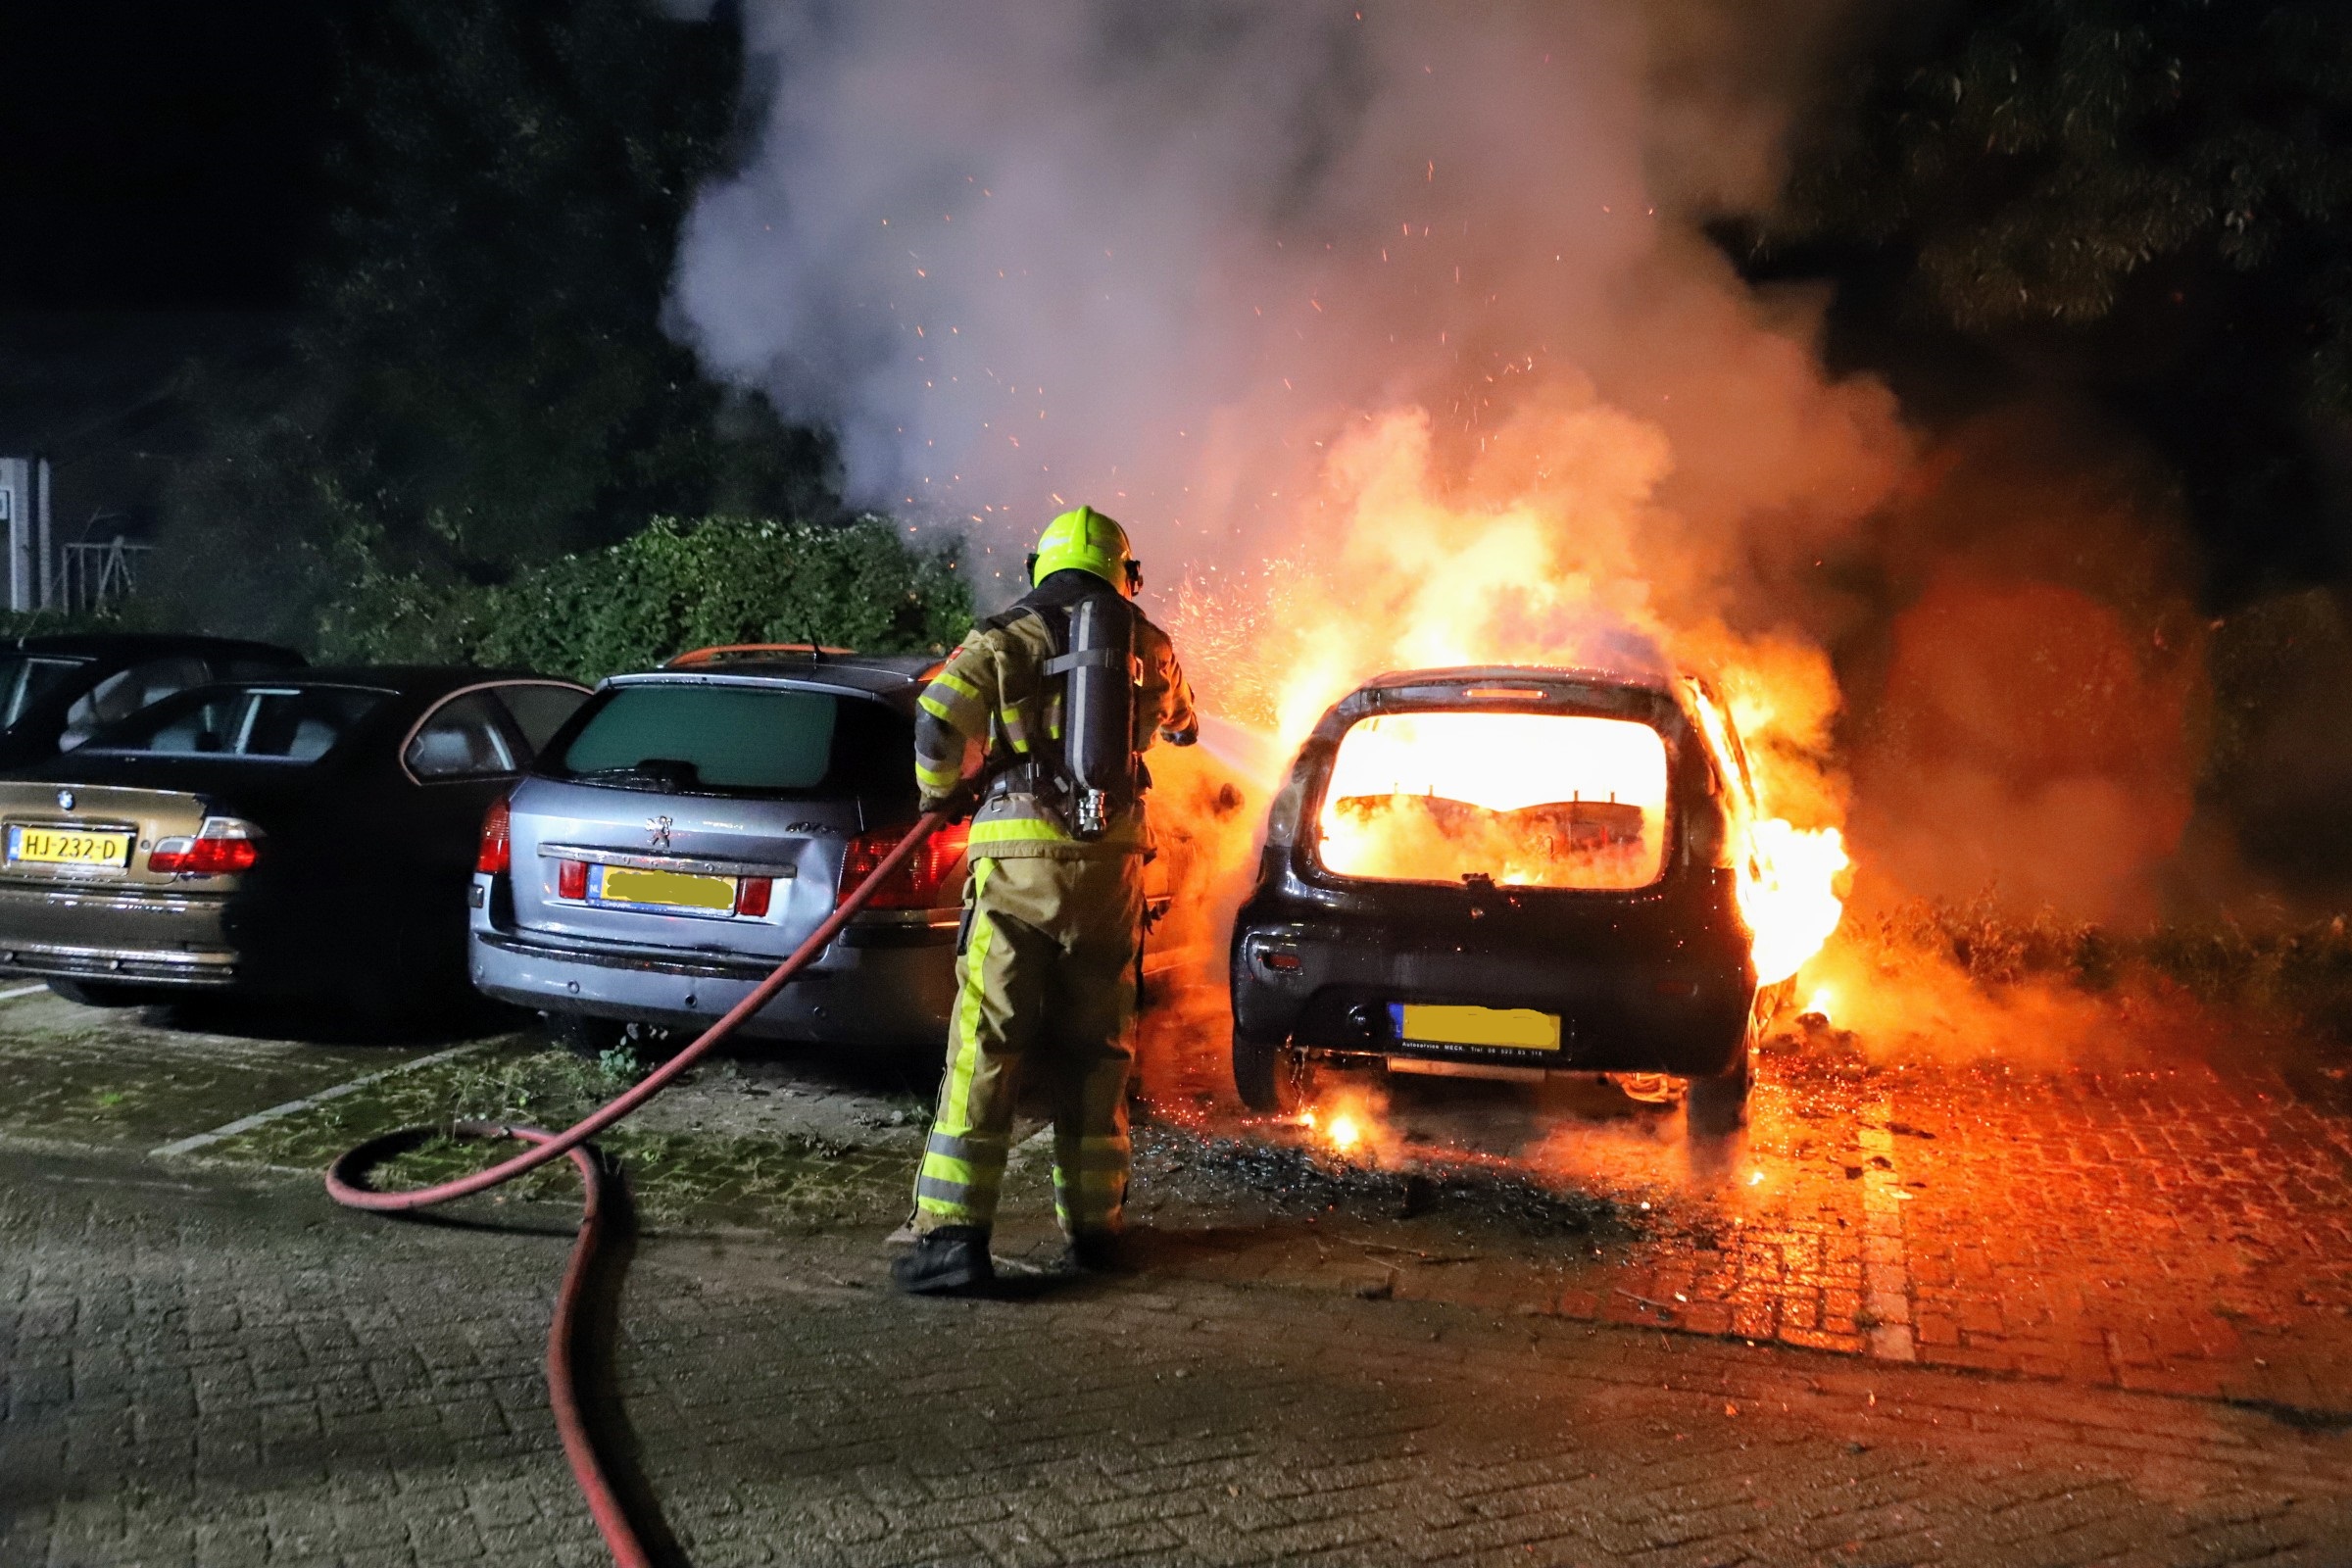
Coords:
1045,984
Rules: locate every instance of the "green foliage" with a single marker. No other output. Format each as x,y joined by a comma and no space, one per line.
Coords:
674,586
481,381
2300,973
2033,157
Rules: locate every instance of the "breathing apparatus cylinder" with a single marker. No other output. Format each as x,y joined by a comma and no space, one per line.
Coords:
1098,733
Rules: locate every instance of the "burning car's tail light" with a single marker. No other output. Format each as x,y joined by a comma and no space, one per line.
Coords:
571,879
752,895
221,846
917,882
496,851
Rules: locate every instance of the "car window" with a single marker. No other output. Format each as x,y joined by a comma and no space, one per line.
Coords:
249,668
540,710
125,692
292,723
463,738
741,739
1530,800
23,678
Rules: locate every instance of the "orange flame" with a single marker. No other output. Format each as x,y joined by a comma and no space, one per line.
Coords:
1787,876
1547,548
1530,800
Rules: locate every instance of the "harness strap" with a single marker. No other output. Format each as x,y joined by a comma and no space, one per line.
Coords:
1089,658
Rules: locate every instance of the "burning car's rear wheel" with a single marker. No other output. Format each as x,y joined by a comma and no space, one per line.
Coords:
1718,1103
1270,1076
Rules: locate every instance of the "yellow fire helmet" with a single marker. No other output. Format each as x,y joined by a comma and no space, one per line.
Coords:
1083,539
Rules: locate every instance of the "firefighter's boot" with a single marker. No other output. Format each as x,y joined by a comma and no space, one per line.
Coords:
952,1261
1101,1252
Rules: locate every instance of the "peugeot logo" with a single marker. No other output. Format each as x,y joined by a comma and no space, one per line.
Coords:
64,799
658,827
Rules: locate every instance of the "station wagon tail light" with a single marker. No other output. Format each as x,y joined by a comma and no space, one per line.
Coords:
223,845
571,879
918,882
496,852
752,895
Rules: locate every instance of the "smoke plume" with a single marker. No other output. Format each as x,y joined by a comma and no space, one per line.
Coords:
1392,334
1159,258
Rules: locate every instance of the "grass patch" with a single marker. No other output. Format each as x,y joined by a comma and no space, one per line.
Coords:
675,1177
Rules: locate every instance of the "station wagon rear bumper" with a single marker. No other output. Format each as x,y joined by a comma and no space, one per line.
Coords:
886,982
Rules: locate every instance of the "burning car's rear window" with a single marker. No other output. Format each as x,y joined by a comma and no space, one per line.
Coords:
727,739
1530,800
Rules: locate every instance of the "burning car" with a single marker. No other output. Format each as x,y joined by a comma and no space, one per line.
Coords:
1507,872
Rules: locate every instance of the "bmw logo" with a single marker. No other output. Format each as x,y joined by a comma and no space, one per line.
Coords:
64,799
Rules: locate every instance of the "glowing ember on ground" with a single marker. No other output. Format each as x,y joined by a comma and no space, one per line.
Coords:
1344,1132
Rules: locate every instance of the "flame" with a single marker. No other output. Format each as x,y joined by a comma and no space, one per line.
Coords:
1820,1001
1352,1123
1541,800
1788,875
1546,547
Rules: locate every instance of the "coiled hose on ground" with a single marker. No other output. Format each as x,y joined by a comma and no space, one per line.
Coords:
345,1178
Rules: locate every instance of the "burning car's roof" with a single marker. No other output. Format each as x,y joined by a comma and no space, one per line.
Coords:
1504,675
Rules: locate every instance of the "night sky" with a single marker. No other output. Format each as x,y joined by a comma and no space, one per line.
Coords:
159,154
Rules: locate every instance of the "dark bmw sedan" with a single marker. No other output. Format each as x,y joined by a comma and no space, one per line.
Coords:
1504,872
310,833
57,691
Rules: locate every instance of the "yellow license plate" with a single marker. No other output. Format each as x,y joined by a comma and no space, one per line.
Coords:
1498,1028
668,890
46,846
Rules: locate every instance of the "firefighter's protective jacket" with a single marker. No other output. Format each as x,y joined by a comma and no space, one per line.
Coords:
992,703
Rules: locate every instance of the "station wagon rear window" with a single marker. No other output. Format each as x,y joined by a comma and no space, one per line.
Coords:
728,739
1530,800
283,724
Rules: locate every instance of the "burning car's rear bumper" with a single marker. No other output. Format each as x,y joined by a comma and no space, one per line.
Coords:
1631,993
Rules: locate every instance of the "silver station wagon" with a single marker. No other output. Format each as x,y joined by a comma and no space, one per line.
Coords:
692,825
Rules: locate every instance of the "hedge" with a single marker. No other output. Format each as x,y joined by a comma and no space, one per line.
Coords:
676,585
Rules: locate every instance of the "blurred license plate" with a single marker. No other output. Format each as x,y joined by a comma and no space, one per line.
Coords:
665,890
47,846
1496,1028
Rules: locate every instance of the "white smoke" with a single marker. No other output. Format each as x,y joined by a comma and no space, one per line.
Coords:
1158,257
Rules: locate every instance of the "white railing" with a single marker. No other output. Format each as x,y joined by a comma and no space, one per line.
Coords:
91,574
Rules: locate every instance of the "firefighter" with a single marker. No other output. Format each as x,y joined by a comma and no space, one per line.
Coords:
1045,710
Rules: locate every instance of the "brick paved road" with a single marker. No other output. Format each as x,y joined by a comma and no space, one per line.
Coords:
2121,1296
210,1371
2161,1222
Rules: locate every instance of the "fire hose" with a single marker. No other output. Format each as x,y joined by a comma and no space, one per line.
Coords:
345,1178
